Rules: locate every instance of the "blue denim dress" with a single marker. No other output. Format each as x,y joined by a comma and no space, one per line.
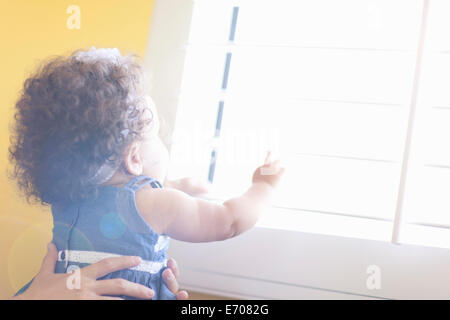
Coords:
86,232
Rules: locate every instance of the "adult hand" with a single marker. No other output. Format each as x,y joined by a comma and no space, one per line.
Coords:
48,285
170,276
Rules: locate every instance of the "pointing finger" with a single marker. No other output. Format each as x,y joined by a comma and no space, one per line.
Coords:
268,157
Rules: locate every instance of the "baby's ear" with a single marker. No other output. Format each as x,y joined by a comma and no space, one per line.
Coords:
133,159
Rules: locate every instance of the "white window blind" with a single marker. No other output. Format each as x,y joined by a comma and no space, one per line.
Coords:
329,86
427,197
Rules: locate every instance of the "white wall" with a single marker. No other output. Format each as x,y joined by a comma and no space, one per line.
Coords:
169,31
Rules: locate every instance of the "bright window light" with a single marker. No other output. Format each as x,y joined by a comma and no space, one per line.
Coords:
328,86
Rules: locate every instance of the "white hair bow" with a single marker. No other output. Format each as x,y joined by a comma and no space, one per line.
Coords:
93,54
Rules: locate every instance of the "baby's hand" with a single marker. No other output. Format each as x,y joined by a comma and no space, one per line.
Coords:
270,173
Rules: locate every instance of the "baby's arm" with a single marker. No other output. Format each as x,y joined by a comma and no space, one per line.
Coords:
192,186
185,218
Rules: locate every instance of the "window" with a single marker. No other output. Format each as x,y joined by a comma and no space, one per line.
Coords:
352,95
427,190
347,92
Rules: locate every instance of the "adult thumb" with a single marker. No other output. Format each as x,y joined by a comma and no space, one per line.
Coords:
48,265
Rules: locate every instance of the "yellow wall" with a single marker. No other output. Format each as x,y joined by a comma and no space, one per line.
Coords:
32,30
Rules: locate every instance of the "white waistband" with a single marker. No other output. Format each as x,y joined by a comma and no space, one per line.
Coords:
91,257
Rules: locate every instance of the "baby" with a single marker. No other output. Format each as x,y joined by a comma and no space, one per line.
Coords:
86,142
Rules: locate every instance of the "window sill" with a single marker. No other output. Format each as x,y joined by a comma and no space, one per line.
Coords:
326,224
298,258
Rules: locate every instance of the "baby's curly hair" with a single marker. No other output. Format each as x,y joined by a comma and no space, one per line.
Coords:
70,118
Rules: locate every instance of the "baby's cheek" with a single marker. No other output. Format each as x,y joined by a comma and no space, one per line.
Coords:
165,158
166,154
163,155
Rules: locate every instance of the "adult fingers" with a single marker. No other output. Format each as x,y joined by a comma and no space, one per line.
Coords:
109,265
48,265
170,281
182,295
117,287
173,265
107,298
